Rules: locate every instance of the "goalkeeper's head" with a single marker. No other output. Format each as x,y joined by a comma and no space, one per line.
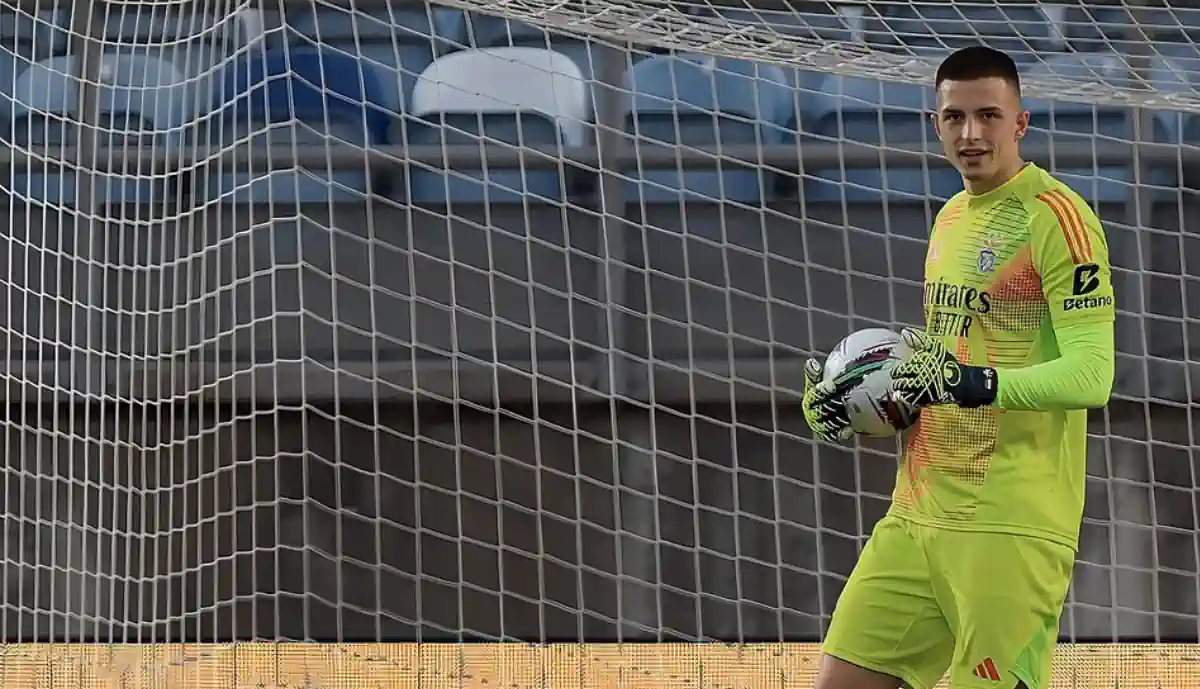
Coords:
979,117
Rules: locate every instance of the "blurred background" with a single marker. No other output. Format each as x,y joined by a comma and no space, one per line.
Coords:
392,320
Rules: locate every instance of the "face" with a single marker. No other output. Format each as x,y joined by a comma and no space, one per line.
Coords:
980,123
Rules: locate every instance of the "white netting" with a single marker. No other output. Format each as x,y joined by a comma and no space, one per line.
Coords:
373,321
1141,53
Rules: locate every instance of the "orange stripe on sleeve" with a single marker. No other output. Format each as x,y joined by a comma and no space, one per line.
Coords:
1065,224
1076,216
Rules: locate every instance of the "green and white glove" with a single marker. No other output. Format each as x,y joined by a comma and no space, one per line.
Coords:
824,405
932,376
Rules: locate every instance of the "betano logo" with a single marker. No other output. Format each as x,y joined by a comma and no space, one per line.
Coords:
1085,281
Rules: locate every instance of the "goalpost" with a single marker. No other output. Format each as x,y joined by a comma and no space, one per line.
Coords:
352,365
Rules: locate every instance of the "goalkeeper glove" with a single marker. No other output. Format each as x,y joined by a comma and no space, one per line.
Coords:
824,406
932,375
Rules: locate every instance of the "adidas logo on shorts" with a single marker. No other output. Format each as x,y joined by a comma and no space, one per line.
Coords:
987,670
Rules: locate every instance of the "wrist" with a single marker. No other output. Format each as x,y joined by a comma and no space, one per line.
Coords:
977,387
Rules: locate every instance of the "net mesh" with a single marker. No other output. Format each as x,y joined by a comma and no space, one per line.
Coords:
1146,52
403,321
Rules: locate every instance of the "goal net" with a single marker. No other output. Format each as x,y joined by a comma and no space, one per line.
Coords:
390,321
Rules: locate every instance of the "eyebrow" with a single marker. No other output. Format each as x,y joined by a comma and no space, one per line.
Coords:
986,108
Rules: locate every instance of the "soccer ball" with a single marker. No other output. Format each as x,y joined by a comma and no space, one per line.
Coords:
863,362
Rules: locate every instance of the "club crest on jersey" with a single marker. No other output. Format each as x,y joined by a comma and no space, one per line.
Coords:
987,255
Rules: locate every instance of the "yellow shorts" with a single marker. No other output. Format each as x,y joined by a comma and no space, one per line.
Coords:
923,600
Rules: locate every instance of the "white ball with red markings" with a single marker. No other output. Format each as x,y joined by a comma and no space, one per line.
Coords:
861,365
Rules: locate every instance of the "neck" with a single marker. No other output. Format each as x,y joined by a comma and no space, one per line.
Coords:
983,186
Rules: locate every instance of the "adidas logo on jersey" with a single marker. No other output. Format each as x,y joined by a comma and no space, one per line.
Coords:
987,670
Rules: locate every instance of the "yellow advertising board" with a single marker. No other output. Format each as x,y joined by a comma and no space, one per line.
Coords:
513,666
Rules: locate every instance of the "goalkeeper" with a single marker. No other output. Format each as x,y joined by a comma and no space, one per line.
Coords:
968,571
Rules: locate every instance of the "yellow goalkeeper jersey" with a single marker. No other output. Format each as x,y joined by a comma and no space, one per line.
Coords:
1003,270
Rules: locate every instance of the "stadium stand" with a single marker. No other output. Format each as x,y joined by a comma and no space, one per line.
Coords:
1019,30
297,94
398,42
399,49
143,102
25,39
193,42
497,32
518,96
850,108
695,100
1061,122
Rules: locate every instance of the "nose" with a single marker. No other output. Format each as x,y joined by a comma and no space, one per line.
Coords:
971,129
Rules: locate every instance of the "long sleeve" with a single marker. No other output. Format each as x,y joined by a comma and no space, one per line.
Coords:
1081,378
1070,253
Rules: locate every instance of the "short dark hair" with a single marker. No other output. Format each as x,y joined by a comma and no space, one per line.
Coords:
978,62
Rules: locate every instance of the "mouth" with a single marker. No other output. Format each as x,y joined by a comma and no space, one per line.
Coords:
972,154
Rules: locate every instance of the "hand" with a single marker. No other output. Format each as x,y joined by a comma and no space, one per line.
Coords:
933,375
824,406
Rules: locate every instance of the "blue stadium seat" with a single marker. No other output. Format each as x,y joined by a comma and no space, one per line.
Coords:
193,43
144,103
819,24
296,95
512,95
827,27
704,101
497,32
1059,122
1021,31
873,113
25,39
399,42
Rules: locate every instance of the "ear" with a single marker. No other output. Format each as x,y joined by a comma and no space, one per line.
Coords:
1022,124
937,125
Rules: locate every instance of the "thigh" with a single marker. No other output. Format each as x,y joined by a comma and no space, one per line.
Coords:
1003,597
887,618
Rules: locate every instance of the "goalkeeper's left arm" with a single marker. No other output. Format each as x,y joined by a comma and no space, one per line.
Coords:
1080,378
1070,253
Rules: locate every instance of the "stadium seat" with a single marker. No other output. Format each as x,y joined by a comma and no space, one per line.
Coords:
819,24
25,39
399,42
497,32
144,104
195,43
811,25
1101,28
874,113
704,101
1060,122
1021,31
296,95
518,96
